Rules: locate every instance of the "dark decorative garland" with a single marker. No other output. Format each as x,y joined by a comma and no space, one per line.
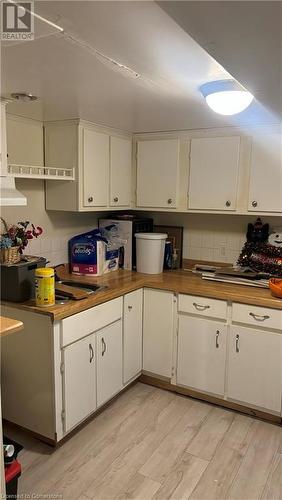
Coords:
261,257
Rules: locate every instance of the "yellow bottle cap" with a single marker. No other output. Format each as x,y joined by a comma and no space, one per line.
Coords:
44,272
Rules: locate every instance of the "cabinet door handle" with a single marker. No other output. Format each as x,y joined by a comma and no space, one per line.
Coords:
91,350
104,346
259,317
228,203
116,199
169,201
216,339
90,199
237,343
129,308
200,307
254,203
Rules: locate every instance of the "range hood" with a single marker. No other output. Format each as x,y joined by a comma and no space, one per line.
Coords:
9,195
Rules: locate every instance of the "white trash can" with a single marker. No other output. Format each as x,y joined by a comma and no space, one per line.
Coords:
150,252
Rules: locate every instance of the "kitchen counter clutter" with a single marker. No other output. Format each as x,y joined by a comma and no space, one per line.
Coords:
121,282
213,341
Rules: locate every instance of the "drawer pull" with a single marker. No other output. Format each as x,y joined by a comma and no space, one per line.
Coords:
259,317
91,350
104,346
216,339
200,307
237,343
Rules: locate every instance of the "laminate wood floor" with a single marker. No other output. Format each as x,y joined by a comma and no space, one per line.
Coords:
153,444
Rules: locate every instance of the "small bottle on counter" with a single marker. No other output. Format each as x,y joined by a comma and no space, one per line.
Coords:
175,259
45,287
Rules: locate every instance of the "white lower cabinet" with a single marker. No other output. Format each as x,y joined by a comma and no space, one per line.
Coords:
132,335
158,327
79,381
255,364
109,361
201,354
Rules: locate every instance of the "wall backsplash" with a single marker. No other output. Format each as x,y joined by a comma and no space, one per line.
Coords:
217,238
58,227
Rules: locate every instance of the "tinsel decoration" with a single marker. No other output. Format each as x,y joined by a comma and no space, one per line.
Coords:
261,257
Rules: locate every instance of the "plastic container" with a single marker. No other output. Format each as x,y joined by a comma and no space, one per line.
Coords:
150,252
12,474
45,287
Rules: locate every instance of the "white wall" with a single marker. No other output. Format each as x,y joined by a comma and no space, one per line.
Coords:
58,227
217,238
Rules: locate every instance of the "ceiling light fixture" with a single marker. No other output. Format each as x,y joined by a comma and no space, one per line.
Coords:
226,97
23,96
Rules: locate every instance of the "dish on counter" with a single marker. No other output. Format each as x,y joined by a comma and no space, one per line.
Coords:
275,285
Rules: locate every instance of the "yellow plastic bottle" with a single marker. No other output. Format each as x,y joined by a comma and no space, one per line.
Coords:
45,287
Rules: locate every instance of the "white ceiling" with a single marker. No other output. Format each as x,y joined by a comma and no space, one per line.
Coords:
72,82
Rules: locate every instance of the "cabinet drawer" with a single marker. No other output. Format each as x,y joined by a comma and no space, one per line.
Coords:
257,316
77,326
203,306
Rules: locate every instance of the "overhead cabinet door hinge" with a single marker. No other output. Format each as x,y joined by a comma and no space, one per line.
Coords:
62,368
63,415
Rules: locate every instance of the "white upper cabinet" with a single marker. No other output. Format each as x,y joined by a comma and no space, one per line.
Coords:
25,141
120,171
214,165
157,173
96,154
101,161
265,194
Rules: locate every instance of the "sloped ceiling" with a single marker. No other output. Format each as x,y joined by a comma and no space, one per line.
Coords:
154,41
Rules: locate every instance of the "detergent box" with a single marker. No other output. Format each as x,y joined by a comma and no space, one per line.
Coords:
91,255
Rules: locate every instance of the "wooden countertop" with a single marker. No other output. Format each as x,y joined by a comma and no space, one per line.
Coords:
8,325
180,281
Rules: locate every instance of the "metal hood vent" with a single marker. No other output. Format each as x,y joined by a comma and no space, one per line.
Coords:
9,195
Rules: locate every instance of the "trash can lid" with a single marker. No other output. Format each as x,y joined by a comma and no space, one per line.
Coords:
151,236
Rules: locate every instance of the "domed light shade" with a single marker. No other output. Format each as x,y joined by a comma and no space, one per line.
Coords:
226,97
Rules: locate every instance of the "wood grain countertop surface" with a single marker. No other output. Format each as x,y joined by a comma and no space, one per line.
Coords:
8,325
121,282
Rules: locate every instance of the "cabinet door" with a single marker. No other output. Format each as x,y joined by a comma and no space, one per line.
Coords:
24,141
157,173
214,164
132,335
96,155
265,193
120,172
79,384
158,323
109,361
201,354
255,364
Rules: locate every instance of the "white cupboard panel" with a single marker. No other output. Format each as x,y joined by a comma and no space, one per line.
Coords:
132,334
201,354
96,157
158,323
257,316
255,364
214,164
157,173
265,194
79,385
81,324
120,172
109,362
202,306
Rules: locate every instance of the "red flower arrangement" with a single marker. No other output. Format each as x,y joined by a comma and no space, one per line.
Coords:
19,235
